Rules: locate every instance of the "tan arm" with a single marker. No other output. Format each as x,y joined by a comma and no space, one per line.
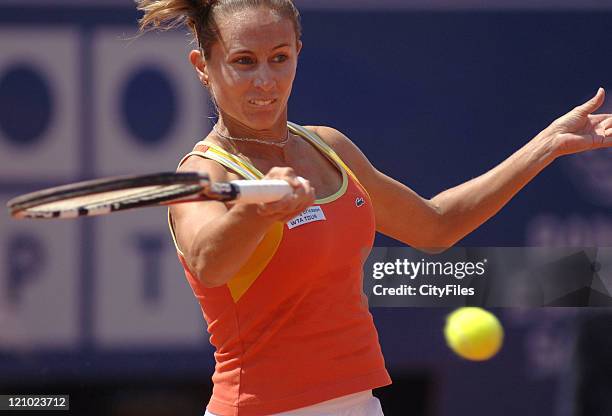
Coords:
438,223
216,240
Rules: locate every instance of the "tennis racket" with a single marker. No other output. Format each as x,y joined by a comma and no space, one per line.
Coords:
107,195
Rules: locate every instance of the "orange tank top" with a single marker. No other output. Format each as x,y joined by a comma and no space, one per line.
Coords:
293,328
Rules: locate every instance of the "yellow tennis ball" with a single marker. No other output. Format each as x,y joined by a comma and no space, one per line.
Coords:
473,333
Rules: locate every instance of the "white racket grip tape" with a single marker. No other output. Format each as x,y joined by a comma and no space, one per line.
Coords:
264,190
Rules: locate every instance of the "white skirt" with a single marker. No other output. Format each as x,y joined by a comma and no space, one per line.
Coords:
357,404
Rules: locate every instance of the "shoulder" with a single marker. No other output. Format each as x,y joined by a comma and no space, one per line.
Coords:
342,145
215,171
331,136
334,138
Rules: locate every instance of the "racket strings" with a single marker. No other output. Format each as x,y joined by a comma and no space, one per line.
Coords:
122,196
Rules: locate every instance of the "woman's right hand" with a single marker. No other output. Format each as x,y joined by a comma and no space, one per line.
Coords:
303,196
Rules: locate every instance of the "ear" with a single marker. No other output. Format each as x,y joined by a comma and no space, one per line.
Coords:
299,47
199,64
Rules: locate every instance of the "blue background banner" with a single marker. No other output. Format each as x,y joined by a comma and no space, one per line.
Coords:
433,98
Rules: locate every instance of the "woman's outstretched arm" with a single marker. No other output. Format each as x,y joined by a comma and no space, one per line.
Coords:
440,222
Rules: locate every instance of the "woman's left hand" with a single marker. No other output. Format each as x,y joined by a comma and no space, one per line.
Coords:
580,130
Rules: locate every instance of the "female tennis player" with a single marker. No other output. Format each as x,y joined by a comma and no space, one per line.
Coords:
280,283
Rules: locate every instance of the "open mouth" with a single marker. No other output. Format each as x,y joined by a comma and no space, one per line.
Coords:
262,103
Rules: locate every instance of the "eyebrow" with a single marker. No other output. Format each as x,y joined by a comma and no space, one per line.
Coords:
282,45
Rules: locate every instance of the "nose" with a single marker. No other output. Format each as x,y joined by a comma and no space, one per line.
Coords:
264,78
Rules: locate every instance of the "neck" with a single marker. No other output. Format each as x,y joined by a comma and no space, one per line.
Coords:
235,128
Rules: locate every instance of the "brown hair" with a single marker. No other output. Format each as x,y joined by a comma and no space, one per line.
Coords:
199,15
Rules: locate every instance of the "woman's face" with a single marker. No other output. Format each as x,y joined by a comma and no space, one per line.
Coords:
252,67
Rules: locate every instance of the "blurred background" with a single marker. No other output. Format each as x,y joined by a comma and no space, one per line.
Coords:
433,92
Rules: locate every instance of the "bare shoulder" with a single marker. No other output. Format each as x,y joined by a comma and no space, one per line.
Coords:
343,146
215,171
187,218
331,136
338,141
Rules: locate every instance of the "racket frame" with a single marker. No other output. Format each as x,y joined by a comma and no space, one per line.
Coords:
197,186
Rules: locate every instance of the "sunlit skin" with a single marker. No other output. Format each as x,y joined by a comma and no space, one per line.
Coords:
250,72
255,59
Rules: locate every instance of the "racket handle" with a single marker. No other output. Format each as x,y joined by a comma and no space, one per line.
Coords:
264,190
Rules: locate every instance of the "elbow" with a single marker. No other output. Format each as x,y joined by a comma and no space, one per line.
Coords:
204,272
434,247
432,250
205,278
444,235
431,241
440,240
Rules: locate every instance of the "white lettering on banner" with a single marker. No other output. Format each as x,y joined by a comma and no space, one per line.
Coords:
116,62
52,153
39,285
314,213
142,297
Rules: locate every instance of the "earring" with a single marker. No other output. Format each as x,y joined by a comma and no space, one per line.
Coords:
205,82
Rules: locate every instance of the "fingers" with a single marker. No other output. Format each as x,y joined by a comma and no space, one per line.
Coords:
289,206
607,122
599,118
593,104
280,173
607,138
603,126
303,196
602,139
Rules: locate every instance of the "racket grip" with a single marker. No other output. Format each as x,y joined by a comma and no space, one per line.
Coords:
264,190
